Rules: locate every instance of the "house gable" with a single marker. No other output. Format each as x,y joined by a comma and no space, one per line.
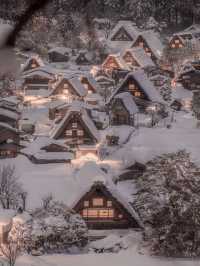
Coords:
102,210
176,42
141,42
75,131
129,59
132,86
111,63
122,35
82,60
65,87
32,64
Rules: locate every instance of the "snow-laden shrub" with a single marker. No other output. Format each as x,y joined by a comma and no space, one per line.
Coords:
53,229
168,201
114,243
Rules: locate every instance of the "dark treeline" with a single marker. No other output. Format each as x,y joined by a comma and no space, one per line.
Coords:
173,12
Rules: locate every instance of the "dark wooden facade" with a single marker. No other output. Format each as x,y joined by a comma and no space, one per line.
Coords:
132,86
119,115
9,143
141,42
101,210
122,35
75,131
176,42
37,82
129,59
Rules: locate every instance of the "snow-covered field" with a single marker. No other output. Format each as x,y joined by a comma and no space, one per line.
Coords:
126,258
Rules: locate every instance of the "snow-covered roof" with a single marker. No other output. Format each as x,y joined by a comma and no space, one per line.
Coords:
35,146
140,56
75,83
180,93
128,102
120,46
7,126
119,59
33,57
154,41
9,114
147,86
40,71
129,26
76,107
90,174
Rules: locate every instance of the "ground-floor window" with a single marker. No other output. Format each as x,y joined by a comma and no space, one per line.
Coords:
98,213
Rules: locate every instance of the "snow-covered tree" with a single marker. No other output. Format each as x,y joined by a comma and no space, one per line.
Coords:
55,228
168,201
12,195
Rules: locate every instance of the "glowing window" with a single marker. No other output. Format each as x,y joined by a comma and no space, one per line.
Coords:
80,133
137,94
97,202
69,132
74,125
141,44
176,41
173,45
86,203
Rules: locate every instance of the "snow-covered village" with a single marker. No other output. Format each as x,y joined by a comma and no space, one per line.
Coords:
99,133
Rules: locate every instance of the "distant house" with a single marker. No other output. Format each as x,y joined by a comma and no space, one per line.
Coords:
136,57
59,54
150,42
114,62
77,128
123,110
125,31
140,87
101,204
33,62
9,141
187,37
45,150
69,87
38,79
189,76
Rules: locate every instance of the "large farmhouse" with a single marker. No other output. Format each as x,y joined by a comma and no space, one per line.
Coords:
140,87
101,204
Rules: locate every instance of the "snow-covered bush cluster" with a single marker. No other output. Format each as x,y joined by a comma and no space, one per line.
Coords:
168,201
53,229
